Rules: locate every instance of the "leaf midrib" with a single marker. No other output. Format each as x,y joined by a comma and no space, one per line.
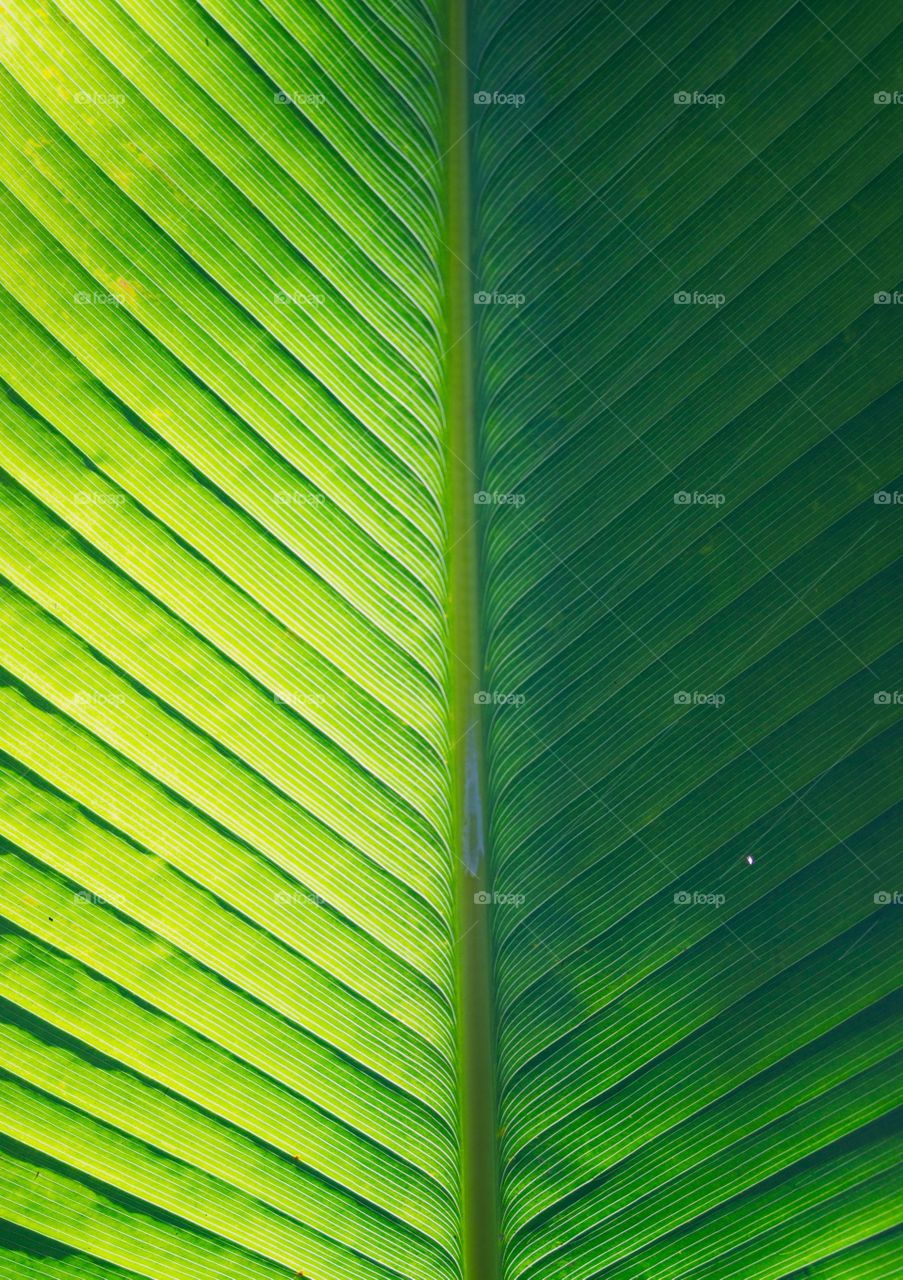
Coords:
480,1216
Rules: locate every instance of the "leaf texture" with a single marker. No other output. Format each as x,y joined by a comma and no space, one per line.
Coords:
688,400
235,807
227,969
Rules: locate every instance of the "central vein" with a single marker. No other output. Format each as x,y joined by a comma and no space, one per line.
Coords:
479,1165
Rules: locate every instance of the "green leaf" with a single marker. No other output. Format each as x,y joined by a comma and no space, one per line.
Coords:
450,803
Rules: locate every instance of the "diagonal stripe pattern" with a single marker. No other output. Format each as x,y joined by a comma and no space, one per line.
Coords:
227,973
688,234
231,960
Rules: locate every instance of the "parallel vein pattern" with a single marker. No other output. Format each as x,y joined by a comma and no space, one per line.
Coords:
688,228
228,964
227,1045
